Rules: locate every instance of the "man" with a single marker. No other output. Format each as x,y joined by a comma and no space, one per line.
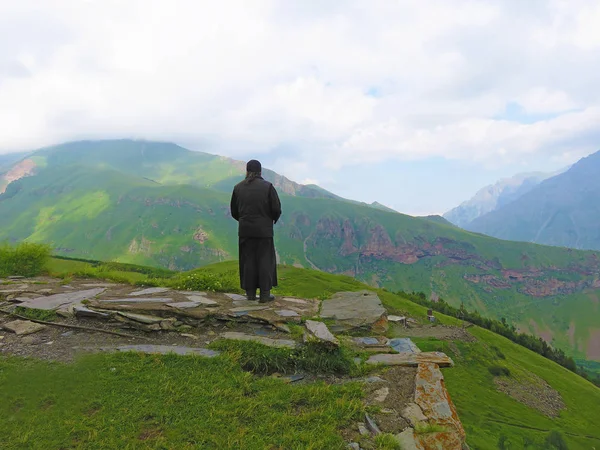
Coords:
256,206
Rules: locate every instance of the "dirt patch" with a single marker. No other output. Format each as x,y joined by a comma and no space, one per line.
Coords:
535,393
400,388
442,332
593,346
545,335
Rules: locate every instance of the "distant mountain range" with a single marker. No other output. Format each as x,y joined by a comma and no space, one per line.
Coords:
159,204
495,196
563,210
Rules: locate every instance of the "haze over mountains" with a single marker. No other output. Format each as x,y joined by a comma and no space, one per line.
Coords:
162,205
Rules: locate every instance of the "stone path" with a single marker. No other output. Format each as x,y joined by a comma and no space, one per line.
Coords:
204,317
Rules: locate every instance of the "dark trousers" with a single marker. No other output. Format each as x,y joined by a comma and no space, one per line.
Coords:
258,264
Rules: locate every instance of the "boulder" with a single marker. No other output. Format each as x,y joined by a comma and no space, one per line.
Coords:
352,310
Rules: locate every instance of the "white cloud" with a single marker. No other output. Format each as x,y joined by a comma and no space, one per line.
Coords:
340,82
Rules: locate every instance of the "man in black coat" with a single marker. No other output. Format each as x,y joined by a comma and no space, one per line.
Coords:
256,206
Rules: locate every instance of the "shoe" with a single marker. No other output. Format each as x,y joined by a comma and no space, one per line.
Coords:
266,297
251,295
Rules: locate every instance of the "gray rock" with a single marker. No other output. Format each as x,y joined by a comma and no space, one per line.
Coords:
278,343
362,429
67,334
184,305
141,318
287,313
282,327
82,311
366,341
164,349
29,340
411,359
236,297
403,345
139,300
393,318
62,301
355,310
371,425
202,300
381,394
23,327
188,335
407,440
150,291
353,446
318,332
295,300
374,379
248,308
413,413
16,277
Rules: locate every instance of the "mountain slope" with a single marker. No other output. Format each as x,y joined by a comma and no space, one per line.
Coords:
562,211
103,211
494,196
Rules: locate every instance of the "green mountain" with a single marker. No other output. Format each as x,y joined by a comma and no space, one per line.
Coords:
563,211
494,196
161,205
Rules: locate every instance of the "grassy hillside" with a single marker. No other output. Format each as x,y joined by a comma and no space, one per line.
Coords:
488,414
125,202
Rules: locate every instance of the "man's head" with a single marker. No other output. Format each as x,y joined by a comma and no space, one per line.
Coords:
253,166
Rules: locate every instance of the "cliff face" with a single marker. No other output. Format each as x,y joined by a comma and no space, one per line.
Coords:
355,241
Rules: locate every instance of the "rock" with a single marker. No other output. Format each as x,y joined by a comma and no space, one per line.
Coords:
150,291
353,446
279,343
411,359
202,300
82,311
282,327
287,313
402,345
67,334
95,285
61,301
407,440
374,379
139,300
413,413
352,310
23,327
141,318
371,425
294,378
400,319
366,341
168,324
188,335
433,399
440,440
237,297
295,300
381,394
240,309
317,332
164,349
362,429
16,277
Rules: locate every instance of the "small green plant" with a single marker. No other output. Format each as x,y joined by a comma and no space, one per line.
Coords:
499,371
200,280
36,314
498,353
25,259
555,441
387,441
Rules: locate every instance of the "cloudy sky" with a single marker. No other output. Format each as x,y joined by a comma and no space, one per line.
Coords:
416,104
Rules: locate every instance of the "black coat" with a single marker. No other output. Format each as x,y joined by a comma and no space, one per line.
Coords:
256,206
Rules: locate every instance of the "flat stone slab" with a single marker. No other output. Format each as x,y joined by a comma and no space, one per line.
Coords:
318,332
56,301
164,350
23,327
247,308
82,311
393,318
139,300
141,318
413,413
150,291
278,343
287,313
299,301
93,285
404,345
202,300
367,341
355,309
411,359
236,297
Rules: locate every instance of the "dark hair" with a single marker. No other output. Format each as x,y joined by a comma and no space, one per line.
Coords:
251,176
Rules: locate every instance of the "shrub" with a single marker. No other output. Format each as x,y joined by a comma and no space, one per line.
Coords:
499,371
554,440
25,259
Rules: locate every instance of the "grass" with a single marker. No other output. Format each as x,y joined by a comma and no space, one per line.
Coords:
311,358
138,401
24,259
36,314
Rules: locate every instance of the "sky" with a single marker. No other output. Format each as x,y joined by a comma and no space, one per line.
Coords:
415,104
